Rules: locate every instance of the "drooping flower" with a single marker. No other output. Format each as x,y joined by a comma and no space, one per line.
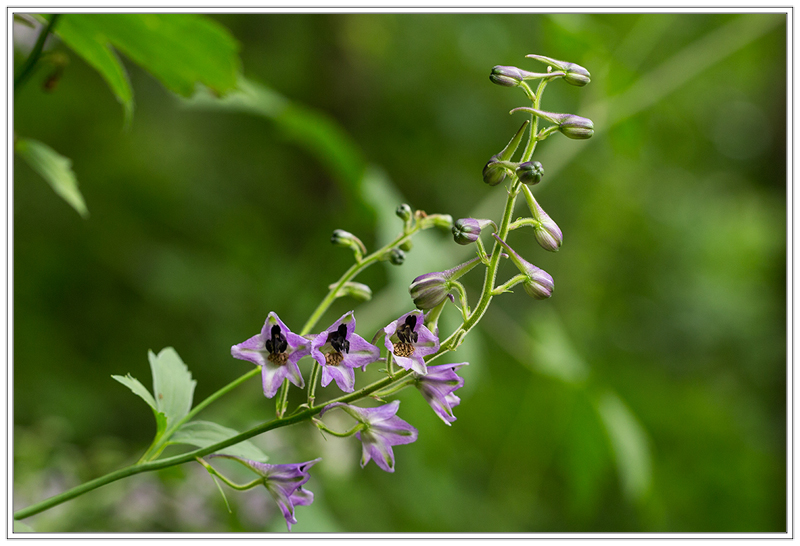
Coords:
339,349
438,388
284,482
569,124
546,231
381,430
276,349
574,74
408,339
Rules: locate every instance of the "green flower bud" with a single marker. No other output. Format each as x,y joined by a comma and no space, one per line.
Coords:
355,290
573,73
406,245
397,256
493,172
344,238
444,221
530,172
403,212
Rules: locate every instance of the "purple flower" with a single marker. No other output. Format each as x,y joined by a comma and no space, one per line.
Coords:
339,349
408,339
438,388
381,430
276,349
284,482
539,283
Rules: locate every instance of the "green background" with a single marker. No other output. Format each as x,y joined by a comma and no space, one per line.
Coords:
648,394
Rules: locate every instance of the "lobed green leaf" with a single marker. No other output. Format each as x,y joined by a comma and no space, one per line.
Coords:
205,433
173,385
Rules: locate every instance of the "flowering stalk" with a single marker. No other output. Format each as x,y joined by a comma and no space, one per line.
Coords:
412,341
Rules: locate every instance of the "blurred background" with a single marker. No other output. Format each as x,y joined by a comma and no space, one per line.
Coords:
648,394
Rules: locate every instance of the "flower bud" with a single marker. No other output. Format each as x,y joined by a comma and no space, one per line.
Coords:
546,231
507,76
493,172
355,290
467,230
403,212
344,238
538,283
406,245
576,127
436,220
430,289
397,256
571,125
530,172
573,73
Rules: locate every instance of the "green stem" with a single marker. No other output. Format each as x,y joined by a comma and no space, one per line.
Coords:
192,455
233,485
513,281
156,449
30,62
532,140
354,270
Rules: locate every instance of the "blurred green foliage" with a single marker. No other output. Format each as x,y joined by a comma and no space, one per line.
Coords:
648,394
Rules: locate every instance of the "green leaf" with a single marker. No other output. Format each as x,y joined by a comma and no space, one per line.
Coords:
629,443
55,169
172,384
138,389
205,433
85,39
180,49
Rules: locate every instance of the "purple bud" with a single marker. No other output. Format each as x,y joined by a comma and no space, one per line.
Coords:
574,74
539,283
467,230
431,289
507,76
571,125
546,231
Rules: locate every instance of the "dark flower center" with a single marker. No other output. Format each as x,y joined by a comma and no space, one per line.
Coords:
338,339
277,345
406,332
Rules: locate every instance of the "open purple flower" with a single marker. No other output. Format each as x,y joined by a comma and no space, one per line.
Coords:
408,339
438,387
339,349
381,430
276,349
284,482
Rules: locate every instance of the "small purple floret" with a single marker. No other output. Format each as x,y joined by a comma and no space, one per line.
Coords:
409,340
339,349
438,388
382,430
276,349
